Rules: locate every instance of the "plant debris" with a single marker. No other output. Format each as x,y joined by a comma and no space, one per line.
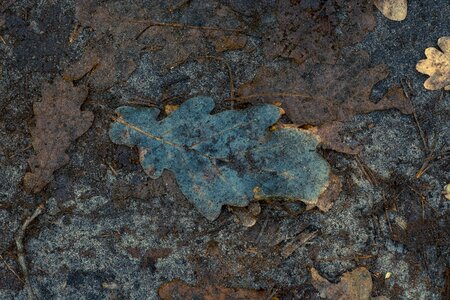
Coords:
227,158
437,65
395,10
317,94
308,93
177,289
317,29
111,53
21,250
118,41
356,284
58,122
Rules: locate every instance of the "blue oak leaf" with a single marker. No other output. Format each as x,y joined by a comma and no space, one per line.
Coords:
229,158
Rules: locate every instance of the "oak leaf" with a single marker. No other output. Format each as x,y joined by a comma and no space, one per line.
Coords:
111,54
437,65
229,158
59,121
118,40
324,95
395,10
177,289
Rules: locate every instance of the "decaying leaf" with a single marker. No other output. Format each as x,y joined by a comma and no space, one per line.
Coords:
118,41
110,56
437,65
247,215
395,10
59,121
317,29
177,289
356,284
229,158
318,94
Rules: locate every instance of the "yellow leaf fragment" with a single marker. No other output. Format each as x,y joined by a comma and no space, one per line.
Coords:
437,65
447,191
170,108
395,10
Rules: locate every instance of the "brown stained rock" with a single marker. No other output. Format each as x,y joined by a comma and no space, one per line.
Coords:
151,257
318,94
123,191
318,29
177,289
59,122
356,284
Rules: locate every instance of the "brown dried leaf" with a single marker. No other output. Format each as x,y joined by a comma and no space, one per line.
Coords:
318,29
437,65
177,289
59,121
330,139
395,10
117,42
356,284
317,94
326,199
111,53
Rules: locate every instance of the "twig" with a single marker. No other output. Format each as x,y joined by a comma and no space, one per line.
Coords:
75,33
366,171
230,73
423,200
429,151
355,257
138,103
112,169
299,241
385,211
22,150
421,133
21,250
11,269
430,159
180,26
263,228
263,95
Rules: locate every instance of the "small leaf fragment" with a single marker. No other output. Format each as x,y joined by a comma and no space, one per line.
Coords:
395,10
437,65
356,284
229,158
446,191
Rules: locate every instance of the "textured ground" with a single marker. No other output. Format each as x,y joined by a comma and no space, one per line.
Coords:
107,231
